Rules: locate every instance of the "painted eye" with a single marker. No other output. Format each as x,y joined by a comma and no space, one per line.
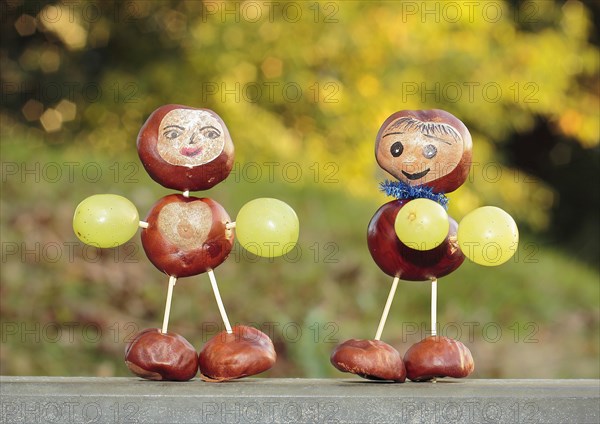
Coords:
171,134
210,133
396,149
429,151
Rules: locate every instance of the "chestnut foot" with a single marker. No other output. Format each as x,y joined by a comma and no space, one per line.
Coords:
247,351
157,356
438,356
371,359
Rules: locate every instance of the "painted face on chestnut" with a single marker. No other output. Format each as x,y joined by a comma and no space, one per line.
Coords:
189,137
183,148
429,148
421,152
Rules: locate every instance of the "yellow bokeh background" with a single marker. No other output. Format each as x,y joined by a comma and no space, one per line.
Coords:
303,88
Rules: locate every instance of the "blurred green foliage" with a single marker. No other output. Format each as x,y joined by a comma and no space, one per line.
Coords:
303,88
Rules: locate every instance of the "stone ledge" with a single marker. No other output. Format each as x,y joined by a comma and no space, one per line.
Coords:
255,400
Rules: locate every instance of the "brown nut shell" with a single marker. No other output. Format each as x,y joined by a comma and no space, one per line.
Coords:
245,352
370,359
397,259
184,171
187,235
438,356
156,356
431,148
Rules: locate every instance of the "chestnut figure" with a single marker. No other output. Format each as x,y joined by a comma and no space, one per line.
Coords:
184,148
161,356
429,148
187,235
190,149
438,356
429,153
370,359
244,352
396,259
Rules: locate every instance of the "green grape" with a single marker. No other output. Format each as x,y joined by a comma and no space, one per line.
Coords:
105,220
267,227
422,224
488,236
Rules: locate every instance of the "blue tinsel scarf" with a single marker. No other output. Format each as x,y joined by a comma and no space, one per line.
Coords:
401,190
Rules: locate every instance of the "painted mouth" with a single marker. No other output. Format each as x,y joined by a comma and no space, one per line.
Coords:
191,151
416,175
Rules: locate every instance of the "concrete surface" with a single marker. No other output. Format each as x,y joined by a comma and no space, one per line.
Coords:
254,400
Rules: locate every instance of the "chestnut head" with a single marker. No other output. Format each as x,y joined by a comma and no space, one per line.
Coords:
438,356
370,359
184,148
429,148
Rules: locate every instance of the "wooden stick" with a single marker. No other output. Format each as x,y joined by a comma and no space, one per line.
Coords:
172,282
386,309
213,283
143,224
230,225
186,193
434,307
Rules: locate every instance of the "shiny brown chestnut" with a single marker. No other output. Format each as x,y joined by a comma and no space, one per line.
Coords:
161,356
185,148
244,352
438,356
431,148
397,259
187,235
370,359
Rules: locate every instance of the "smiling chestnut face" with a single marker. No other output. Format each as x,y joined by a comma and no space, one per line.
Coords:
190,137
428,148
185,148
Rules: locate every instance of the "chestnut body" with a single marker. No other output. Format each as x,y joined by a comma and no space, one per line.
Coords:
156,356
246,351
187,235
438,356
370,359
398,260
